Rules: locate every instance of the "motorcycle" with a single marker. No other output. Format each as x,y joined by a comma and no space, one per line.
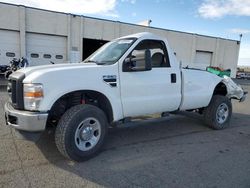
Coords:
16,64
3,68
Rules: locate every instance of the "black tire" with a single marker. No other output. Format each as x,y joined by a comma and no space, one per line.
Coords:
213,117
72,123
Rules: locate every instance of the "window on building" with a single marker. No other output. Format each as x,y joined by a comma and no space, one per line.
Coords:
10,54
59,57
34,55
47,56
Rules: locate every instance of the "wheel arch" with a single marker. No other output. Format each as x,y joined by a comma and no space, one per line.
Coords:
220,89
70,99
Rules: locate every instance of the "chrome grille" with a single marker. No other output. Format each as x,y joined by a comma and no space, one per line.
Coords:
9,90
15,89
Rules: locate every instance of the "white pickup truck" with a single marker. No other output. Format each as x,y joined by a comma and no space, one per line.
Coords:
128,77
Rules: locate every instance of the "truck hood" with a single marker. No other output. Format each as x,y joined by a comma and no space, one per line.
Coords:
39,74
45,68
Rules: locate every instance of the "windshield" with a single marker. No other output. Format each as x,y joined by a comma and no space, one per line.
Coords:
110,52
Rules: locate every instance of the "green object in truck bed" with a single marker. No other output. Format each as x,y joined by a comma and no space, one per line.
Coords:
219,72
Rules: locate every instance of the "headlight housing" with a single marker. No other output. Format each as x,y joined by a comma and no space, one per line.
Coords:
33,94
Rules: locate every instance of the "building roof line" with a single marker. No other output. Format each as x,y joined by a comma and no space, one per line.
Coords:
164,29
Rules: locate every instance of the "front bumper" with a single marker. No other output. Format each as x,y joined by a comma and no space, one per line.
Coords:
25,120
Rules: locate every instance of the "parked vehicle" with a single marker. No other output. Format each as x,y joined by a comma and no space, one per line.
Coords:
16,64
243,75
247,76
131,76
240,75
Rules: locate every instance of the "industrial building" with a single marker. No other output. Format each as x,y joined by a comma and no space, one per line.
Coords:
43,36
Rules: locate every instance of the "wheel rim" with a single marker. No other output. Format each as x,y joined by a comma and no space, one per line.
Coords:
222,113
87,134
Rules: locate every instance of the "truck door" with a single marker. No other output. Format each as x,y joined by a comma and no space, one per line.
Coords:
149,91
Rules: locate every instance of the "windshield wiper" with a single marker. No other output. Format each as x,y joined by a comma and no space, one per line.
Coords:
100,63
90,61
96,62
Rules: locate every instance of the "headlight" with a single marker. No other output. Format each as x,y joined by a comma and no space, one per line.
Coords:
33,94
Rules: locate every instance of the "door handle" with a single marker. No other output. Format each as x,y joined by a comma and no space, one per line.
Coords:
173,78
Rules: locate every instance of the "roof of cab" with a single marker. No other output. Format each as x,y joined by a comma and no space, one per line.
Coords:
145,35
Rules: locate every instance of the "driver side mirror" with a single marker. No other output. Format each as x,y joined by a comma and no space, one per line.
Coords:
140,62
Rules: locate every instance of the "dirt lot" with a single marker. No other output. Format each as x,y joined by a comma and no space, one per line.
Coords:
176,151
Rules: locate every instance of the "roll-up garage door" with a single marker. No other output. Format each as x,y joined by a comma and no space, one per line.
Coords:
44,49
9,46
203,59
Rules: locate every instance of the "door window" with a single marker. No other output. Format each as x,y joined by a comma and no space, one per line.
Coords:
159,56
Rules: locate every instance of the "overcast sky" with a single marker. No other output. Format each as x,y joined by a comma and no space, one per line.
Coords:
220,18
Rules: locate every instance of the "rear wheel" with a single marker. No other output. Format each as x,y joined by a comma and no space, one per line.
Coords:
218,113
81,131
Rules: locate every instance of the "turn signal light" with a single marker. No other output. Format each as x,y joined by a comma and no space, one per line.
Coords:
37,94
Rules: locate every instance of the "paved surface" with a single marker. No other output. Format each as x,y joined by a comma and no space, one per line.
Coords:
176,151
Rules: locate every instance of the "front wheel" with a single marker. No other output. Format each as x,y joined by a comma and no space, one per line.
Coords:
218,113
81,131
